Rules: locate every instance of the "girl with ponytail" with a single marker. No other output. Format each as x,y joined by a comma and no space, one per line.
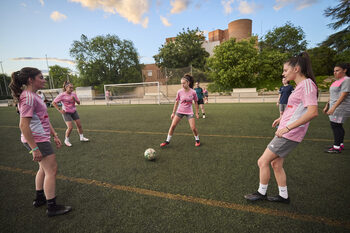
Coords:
36,130
293,124
69,112
338,106
183,107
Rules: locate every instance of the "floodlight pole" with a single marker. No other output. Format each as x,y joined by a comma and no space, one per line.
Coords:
7,93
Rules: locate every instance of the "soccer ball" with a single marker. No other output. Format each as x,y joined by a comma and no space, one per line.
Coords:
150,154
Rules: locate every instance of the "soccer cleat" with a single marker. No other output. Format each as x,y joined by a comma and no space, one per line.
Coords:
332,150
342,147
255,196
197,143
58,210
84,139
67,143
39,202
164,144
278,198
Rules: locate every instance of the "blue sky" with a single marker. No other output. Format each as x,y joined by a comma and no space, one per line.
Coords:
32,29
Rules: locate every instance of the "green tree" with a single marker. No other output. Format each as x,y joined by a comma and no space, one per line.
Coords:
106,59
185,50
234,64
270,67
60,74
340,41
322,60
286,39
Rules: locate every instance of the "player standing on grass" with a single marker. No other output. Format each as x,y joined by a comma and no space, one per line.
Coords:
200,96
338,106
301,109
69,112
183,108
36,129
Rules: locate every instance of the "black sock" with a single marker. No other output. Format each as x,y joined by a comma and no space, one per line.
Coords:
203,114
40,194
51,203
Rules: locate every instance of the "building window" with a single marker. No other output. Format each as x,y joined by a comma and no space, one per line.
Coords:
149,73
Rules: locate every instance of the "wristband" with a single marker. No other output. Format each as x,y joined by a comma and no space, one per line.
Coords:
288,128
34,149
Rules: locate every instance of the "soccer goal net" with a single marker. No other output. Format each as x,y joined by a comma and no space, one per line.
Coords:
133,93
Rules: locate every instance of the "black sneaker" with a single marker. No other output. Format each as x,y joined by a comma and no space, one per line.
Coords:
58,210
255,196
278,198
39,202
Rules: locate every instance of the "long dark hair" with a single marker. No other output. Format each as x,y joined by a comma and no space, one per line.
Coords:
344,66
20,78
304,62
190,79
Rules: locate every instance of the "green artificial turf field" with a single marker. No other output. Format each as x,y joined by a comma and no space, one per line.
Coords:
112,188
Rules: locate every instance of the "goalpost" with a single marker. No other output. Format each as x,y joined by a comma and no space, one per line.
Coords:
133,93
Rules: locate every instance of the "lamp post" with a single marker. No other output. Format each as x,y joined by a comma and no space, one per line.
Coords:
7,93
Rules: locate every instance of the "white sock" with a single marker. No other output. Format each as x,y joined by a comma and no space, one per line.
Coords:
262,188
81,136
66,139
196,138
283,192
168,138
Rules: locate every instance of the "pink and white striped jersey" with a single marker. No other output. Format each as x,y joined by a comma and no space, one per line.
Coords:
68,103
305,94
31,105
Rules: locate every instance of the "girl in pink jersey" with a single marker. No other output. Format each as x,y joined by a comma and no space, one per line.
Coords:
183,107
293,124
69,111
36,129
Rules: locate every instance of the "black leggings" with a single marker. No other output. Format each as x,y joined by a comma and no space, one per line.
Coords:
338,132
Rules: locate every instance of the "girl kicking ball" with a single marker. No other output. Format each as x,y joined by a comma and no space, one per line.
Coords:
183,108
69,112
293,124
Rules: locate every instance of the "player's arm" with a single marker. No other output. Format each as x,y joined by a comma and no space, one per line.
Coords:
278,100
24,125
343,95
76,99
57,107
311,113
55,137
174,109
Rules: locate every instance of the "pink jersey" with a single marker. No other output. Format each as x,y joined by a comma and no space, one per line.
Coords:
31,105
185,99
68,103
305,94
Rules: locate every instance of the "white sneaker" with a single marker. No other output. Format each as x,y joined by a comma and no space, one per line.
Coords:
84,139
67,143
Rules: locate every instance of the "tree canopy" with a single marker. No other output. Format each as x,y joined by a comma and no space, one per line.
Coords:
106,59
185,50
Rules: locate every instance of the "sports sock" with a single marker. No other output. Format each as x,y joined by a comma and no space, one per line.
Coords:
66,139
51,203
262,188
196,137
40,194
168,138
283,192
81,136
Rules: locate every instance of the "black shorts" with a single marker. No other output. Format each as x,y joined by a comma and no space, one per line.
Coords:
44,147
200,101
70,116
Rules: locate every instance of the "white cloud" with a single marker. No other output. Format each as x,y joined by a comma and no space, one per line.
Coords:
57,16
227,6
42,2
247,8
299,4
71,62
179,5
132,10
165,21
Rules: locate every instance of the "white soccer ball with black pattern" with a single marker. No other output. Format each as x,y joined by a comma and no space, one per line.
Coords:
150,154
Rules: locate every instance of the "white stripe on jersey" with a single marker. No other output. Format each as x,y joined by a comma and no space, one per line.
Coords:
29,98
308,86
